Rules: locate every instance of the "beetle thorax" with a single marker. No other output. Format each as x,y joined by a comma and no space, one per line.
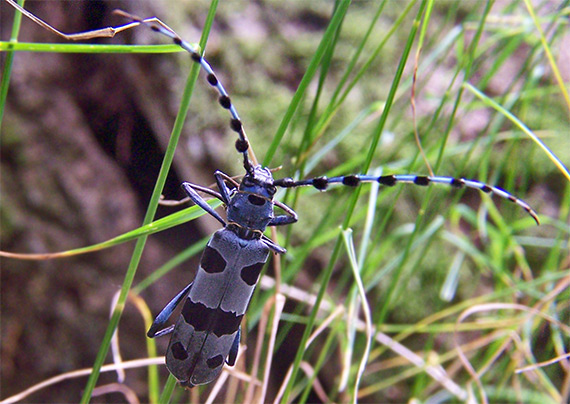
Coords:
251,206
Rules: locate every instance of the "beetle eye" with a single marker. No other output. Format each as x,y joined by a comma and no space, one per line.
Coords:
271,190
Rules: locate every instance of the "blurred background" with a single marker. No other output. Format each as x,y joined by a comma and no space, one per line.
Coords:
83,138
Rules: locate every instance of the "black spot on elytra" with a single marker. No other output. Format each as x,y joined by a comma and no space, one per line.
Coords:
178,351
216,320
215,361
212,261
196,314
250,274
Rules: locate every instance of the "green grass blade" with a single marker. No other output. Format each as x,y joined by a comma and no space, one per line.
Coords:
9,60
87,48
307,77
153,204
546,47
551,155
324,281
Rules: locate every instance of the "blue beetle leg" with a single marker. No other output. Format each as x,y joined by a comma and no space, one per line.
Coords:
231,360
165,314
201,202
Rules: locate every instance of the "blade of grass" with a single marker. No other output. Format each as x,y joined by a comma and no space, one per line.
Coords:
551,60
153,204
325,278
7,70
557,162
86,48
398,272
172,220
356,269
338,99
171,264
306,80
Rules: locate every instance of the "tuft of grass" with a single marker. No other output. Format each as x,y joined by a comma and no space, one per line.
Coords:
461,290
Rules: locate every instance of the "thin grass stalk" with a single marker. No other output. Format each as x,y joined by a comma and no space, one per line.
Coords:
380,128
335,21
356,269
548,52
398,273
336,251
151,210
9,60
353,303
551,155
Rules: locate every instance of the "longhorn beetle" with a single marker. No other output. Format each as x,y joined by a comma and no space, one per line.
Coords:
207,333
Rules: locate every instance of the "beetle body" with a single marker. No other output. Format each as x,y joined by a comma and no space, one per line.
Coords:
207,331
